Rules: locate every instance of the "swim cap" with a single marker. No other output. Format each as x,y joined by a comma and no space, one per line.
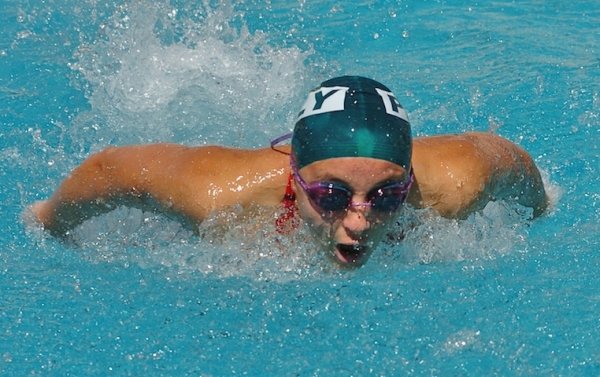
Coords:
352,116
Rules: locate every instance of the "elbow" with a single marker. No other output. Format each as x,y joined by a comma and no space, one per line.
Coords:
101,163
93,179
535,192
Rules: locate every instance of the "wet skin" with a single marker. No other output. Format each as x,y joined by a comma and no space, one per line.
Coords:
455,175
351,236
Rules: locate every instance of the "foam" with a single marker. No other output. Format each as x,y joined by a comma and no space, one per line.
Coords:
228,243
244,243
553,191
500,228
160,75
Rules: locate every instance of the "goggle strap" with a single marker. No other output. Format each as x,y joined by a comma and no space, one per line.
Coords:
281,138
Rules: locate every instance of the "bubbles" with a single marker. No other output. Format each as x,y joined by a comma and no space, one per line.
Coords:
160,74
461,341
229,243
498,229
244,243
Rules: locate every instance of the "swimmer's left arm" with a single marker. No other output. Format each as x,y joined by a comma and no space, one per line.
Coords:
516,178
460,174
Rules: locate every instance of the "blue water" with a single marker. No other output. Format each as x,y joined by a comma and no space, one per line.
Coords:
135,294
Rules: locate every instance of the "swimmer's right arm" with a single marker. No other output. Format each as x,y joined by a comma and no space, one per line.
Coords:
189,182
117,175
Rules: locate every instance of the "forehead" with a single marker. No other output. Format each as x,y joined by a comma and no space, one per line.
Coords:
356,171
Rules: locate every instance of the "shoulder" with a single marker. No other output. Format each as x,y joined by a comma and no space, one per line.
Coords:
468,155
198,179
200,159
458,174
454,151
449,173
222,176
230,161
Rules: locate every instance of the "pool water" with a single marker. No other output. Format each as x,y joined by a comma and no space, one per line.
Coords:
134,293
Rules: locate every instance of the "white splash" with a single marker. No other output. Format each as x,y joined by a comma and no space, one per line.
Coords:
498,229
155,75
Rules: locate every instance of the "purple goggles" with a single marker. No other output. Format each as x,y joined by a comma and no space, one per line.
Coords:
333,198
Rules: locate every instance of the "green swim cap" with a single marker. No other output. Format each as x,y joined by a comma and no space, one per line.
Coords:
352,116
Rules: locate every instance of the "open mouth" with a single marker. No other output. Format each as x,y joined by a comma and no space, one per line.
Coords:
351,254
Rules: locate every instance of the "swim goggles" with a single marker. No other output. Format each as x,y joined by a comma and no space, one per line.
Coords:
333,199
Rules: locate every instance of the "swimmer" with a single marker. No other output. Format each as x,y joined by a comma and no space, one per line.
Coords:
351,167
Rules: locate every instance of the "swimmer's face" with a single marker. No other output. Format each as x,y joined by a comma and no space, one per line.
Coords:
350,235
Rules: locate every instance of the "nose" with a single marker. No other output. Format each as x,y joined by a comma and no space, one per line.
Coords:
355,221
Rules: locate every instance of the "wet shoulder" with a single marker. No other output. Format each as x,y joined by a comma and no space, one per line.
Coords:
222,176
452,172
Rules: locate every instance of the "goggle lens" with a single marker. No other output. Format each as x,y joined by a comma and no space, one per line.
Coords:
330,197
335,198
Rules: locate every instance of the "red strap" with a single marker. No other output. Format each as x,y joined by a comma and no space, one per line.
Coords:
287,220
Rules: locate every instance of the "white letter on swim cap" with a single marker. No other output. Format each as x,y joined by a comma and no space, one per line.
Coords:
324,100
392,106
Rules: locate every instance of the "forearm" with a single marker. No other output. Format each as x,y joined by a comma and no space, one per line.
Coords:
528,187
97,186
512,174
60,217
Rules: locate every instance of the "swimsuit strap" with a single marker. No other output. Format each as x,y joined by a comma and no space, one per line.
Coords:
287,220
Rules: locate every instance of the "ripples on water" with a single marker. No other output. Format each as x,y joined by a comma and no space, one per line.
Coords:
198,75
493,293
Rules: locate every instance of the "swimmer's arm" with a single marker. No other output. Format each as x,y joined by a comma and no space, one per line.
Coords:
518,178
116,176
459,174
185,182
